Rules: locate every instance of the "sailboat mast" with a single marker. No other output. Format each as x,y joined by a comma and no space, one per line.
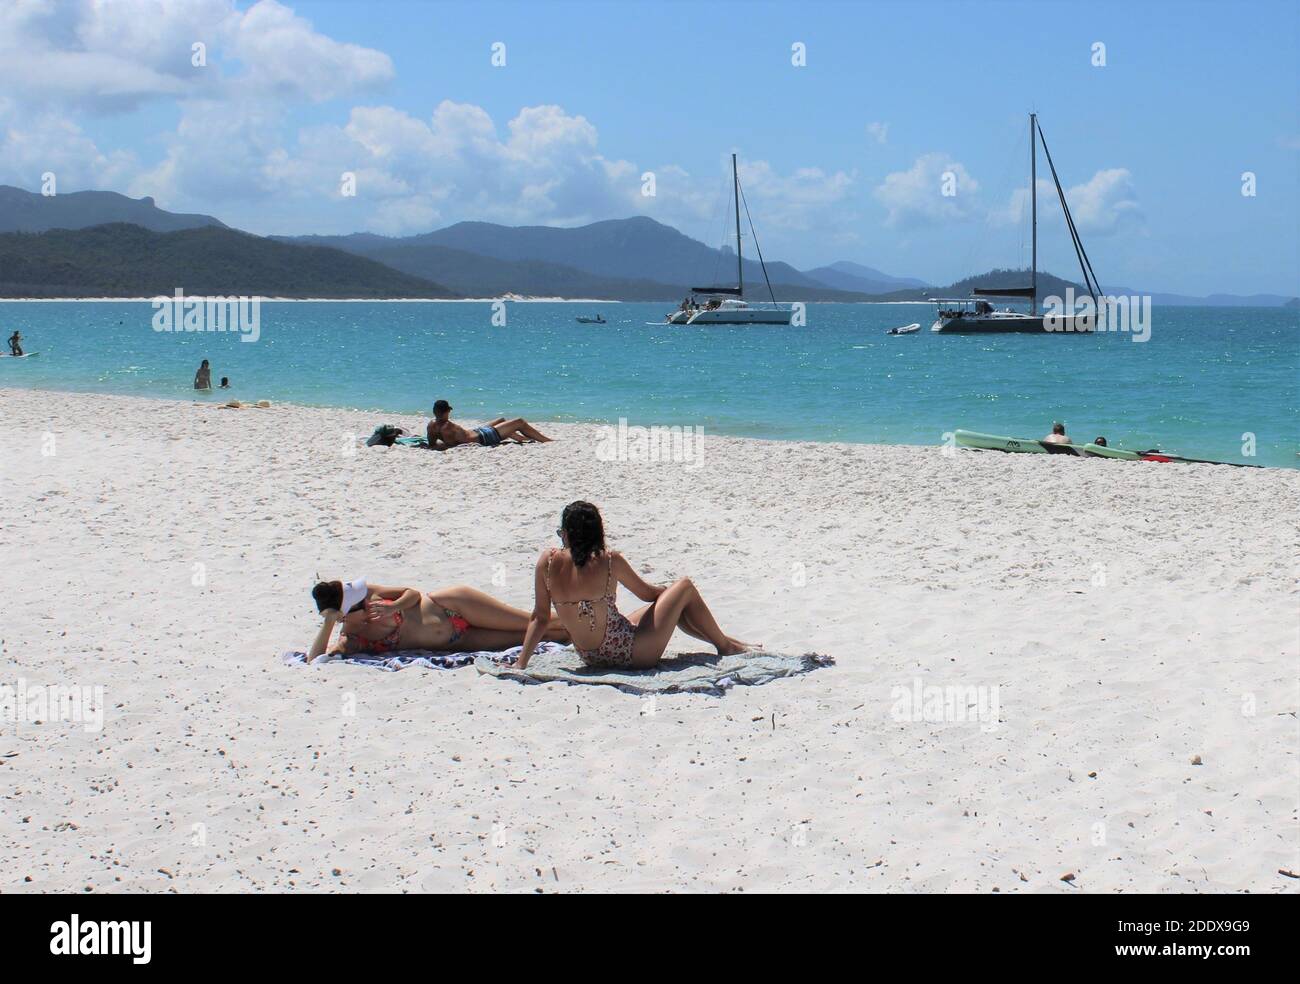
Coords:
740,266
1033,198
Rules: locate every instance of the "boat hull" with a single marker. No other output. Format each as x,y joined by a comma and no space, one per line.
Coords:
734,316
1014,325
750,316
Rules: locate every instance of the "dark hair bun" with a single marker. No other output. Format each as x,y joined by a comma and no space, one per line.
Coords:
328,594
582,525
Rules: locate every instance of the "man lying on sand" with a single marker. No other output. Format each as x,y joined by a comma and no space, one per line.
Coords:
443,433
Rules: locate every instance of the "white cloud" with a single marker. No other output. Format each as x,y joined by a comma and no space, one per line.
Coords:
283,54
31,145
1016,209
803,186
73,57
546,170
806,198
1105,203
110,57
236,151
916,196
879,132
411,173
547,132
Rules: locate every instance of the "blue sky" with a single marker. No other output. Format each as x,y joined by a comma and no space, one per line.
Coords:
842,157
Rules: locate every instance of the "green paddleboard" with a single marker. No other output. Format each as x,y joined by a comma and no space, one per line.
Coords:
992,442
1097,451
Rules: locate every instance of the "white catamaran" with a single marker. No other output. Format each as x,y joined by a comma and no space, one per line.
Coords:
974,314
727,305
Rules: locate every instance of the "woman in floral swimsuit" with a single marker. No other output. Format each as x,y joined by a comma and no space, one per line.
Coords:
379,619
581,580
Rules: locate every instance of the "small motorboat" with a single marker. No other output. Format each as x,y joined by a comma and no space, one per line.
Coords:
905,330
597,320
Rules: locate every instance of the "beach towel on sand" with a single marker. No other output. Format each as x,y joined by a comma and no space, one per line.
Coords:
684,673
417,657
689,673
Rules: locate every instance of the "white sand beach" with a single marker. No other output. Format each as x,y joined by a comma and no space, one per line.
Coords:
1131,626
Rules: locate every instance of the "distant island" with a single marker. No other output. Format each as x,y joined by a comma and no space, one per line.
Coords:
103,244
122,260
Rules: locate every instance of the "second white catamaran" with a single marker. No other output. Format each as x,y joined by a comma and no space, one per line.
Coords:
727,305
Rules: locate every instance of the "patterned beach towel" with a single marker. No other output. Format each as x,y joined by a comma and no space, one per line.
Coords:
692,673
391,662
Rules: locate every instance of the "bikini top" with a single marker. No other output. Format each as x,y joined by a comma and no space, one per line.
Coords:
586,606
383,645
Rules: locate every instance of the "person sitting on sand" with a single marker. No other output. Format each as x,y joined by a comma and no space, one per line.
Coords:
1058,435
443,433
16,344
203,378
581,579
378,619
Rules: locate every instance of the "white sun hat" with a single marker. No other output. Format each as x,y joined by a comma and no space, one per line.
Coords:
354,592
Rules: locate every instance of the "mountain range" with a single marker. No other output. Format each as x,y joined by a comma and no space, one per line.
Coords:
124,260
847,275
25,211
635,259
101,243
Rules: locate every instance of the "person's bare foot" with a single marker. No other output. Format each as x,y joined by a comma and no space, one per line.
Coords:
735,647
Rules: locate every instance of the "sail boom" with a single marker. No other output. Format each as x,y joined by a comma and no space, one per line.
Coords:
1004,291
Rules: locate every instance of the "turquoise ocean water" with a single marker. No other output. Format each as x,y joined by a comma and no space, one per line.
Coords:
1206,376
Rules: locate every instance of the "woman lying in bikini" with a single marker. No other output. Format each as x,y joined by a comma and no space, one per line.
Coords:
581,579
378,619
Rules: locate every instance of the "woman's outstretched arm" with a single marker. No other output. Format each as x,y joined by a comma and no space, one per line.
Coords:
633,581
540,618
322,640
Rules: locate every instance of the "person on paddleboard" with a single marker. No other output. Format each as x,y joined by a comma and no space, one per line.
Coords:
1058,435
16,344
